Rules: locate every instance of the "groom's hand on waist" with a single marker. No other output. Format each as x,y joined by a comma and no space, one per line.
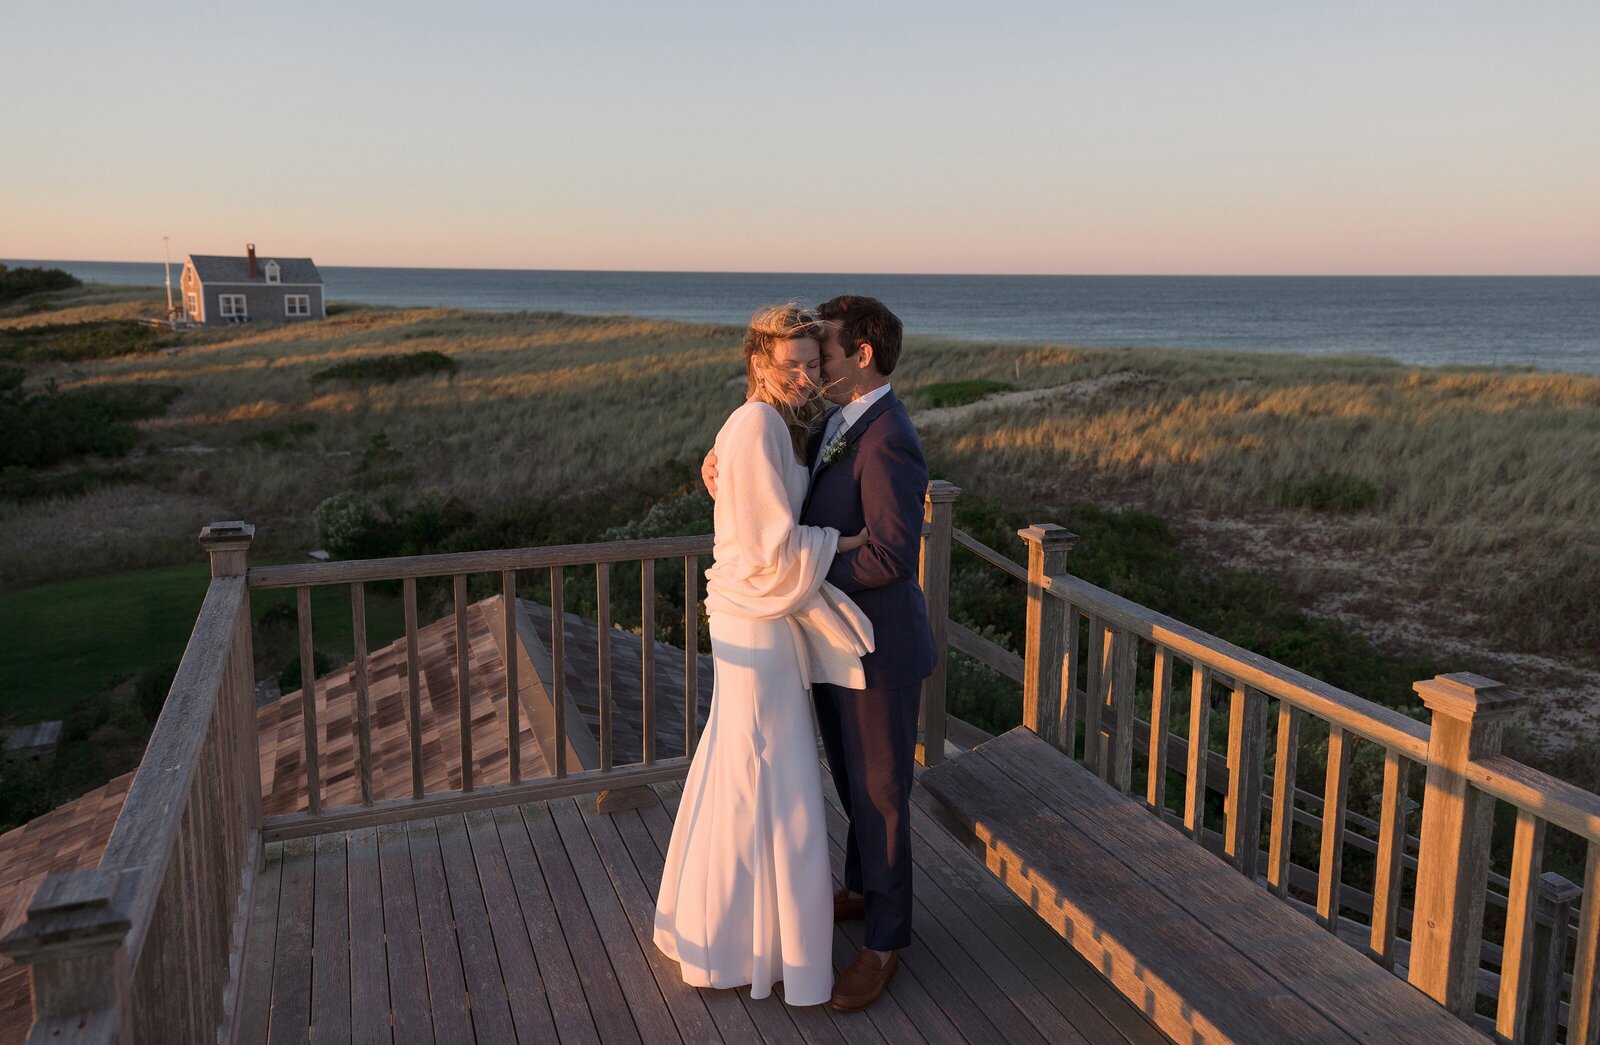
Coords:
708,473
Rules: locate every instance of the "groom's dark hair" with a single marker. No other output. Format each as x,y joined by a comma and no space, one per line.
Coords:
865,321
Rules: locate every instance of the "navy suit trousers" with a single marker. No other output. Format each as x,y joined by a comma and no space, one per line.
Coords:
870,736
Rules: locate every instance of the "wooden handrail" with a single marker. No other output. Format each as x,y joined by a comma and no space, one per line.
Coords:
989,555
1568,806
146,830
1366,719
448,563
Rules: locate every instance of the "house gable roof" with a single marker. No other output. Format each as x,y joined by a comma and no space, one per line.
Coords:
219,268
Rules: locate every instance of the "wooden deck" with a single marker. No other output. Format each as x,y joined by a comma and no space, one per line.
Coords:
532,923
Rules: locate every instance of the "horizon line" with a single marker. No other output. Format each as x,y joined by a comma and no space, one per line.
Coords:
765,272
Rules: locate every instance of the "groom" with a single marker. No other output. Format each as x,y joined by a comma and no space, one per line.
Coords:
868,472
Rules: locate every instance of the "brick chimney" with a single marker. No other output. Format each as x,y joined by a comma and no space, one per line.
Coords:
250,254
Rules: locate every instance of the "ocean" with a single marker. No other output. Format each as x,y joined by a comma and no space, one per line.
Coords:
1547,322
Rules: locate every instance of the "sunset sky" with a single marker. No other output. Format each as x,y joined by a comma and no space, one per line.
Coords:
1450,137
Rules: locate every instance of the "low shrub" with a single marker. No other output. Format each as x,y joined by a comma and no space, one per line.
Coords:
1326,492
960,393
388,369
21,282
76,342
47,427
289,674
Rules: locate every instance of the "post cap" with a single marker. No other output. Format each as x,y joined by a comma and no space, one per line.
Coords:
939,490
69,913
1467,696
225,533
1051,536
1553,888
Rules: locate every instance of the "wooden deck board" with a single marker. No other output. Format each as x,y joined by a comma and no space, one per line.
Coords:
535,923
1056,971
410,1015
526,992
331,993
775,1021
369,961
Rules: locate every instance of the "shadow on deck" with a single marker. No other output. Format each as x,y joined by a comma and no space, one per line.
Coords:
533,923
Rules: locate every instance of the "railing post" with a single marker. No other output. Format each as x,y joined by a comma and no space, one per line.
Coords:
73,939
1552,921
228,545
1043,677
1469,715
934,576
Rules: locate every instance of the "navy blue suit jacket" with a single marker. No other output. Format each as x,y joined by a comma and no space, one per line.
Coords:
879,486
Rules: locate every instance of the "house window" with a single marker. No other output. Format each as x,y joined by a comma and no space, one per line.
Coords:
297,305
191,304
232,306
272,272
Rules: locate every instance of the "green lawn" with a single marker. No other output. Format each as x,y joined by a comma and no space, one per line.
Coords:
70,639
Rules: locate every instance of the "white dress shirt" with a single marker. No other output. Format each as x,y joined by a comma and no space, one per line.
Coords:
845,416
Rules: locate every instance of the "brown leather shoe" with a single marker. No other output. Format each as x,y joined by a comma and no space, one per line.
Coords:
864,981
848,908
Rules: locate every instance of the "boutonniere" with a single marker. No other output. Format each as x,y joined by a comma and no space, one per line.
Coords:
834,452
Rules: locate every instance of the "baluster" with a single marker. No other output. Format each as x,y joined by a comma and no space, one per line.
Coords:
1160,716
463,681
508,603
308,701
558,665
691,654
1583,1025
1095,701
1072,698
1335,801
1247,738
408,595
933,575
1042,682
602,588
1280,841
1392,821
1527,854
1469,712
647,655
358,629
1123,648
1194,803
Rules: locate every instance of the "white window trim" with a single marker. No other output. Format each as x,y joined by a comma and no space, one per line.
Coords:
191,303
272,272
240,306
305,302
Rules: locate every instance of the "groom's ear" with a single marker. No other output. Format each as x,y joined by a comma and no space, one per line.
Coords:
864,356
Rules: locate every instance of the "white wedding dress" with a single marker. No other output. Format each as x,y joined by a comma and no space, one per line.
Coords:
746,894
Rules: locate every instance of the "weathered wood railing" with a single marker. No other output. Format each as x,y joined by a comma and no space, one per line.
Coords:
147,945
1077,631
551,733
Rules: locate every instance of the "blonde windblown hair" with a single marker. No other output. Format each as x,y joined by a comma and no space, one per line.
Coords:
764,379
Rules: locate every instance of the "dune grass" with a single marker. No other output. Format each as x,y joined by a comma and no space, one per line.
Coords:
1490,471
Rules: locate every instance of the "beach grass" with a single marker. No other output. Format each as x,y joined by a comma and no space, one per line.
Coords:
1484,476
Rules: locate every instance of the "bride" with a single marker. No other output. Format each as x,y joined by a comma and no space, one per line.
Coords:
745,891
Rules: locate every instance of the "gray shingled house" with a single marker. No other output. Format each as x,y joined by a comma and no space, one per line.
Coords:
218,289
